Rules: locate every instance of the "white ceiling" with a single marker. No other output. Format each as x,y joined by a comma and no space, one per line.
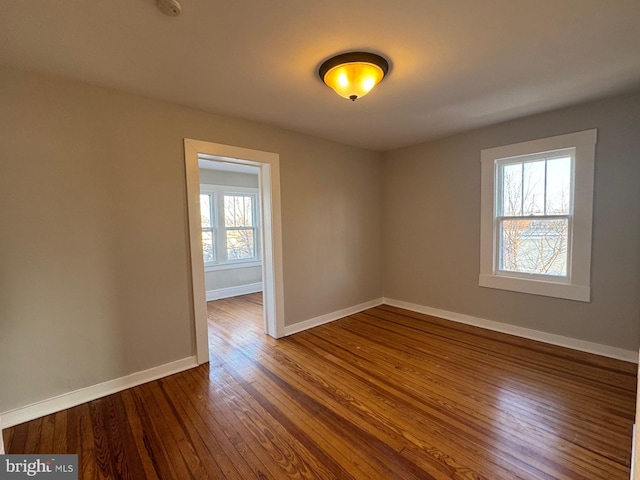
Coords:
455,64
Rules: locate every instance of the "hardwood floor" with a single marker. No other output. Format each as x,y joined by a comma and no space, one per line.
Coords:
386,393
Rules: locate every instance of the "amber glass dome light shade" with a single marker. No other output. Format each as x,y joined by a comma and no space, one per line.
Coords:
353,75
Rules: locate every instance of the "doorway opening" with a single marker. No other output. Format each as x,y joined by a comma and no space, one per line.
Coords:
267,240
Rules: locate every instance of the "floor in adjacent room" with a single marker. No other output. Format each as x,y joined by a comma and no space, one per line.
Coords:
386,393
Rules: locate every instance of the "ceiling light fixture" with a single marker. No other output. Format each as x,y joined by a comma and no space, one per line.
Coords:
352,75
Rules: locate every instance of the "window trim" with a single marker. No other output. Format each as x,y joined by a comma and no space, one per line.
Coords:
577,285
221,262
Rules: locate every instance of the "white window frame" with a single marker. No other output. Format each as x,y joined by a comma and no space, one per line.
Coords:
500,217
577,284
221,262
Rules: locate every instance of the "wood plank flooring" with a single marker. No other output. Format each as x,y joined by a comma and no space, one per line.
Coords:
383,394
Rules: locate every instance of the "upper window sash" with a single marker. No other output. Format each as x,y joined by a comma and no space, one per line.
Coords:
519,165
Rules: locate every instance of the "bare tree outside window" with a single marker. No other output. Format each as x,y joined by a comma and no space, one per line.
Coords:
534,215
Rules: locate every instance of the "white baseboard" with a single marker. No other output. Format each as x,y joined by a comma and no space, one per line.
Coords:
330,317
77,397
233,291
551,338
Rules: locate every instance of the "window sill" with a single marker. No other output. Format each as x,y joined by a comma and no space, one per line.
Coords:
578,293
231,266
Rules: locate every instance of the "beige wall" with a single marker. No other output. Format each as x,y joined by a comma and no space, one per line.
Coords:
233,277
432,224
94,280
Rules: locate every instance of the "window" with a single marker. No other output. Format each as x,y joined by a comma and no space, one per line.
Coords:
208,217
240,226
536,214
230,225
